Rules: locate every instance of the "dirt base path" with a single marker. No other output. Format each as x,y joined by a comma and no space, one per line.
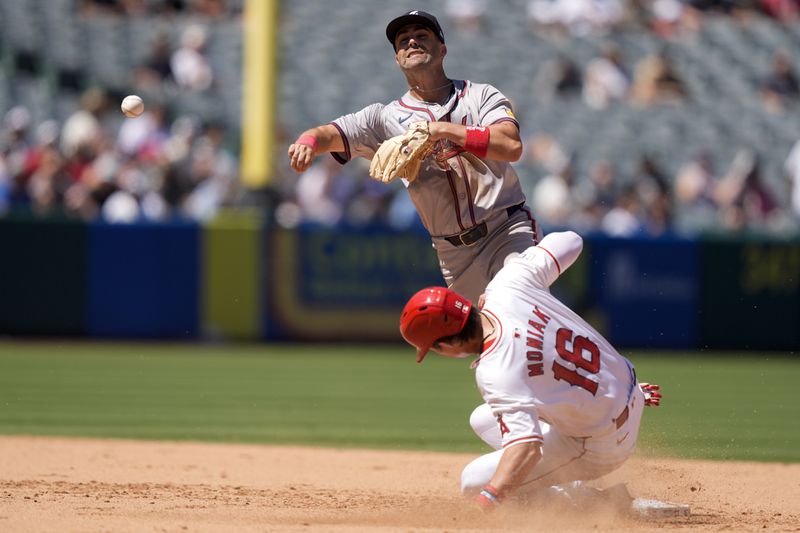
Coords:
83,485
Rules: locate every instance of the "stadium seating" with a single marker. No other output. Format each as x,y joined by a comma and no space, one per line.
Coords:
334,61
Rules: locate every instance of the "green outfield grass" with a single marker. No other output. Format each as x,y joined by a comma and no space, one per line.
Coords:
718,406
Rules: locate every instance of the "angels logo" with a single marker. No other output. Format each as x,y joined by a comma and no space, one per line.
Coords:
503,427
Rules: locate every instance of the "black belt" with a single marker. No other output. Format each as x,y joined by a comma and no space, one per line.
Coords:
476,233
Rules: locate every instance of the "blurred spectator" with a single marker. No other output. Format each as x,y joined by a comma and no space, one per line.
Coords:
721,6
596,195
558,78
785,11
577,17
144,136
316,196
792,170
156,70
625,219
606,79
15,145
654,189
666,17
214,171
693,193
467,15
655,81
82,129
189,66
552,199
780,88
369,202
212,9
743,197
202,8
696,180
42,180
671,19
544,151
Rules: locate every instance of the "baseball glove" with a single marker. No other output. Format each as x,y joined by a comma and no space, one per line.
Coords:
402,155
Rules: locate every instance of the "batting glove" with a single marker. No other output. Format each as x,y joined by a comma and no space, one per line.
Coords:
488,498
652,398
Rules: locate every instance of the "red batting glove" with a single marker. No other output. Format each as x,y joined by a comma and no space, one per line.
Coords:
488,498
652,398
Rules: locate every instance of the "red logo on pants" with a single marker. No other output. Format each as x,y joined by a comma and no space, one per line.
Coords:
503,427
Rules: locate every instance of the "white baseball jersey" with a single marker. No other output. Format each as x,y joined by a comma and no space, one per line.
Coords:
545,361
455,190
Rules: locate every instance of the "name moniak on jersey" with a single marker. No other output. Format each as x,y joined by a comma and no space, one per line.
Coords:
533,340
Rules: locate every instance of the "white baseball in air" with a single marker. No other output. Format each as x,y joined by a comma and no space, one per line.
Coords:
132,106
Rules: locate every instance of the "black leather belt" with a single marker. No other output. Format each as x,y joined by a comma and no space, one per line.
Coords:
476,233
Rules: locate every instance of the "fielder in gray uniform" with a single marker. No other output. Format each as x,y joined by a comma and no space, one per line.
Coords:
467,195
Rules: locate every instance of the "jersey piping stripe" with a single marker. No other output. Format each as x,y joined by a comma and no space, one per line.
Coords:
505,119
470,203
554,258
446,118
493,345
488,344
469,191
336,155
521,440
423,109
451,182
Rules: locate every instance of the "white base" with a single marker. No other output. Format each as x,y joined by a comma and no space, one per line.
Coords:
658,509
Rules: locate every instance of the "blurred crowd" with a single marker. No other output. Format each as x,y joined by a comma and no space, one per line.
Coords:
166,164
95,165
207,9
649,202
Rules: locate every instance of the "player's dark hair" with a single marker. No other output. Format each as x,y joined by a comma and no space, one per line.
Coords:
471,329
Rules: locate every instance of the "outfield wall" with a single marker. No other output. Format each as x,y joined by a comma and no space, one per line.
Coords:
238,278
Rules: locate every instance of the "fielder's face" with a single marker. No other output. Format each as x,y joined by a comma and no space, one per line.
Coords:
417,46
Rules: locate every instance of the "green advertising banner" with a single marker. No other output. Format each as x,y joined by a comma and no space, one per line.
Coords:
750,294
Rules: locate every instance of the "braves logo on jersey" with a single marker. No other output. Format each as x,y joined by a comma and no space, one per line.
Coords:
444,150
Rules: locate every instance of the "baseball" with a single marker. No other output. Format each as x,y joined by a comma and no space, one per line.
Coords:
132,106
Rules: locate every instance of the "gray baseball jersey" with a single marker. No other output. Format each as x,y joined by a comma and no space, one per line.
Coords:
455,190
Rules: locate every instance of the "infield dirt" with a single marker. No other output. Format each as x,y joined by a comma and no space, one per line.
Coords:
83,485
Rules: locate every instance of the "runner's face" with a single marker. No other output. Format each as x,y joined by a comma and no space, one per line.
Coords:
416,45
455,351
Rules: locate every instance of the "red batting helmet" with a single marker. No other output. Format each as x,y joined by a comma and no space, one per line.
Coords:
431,314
